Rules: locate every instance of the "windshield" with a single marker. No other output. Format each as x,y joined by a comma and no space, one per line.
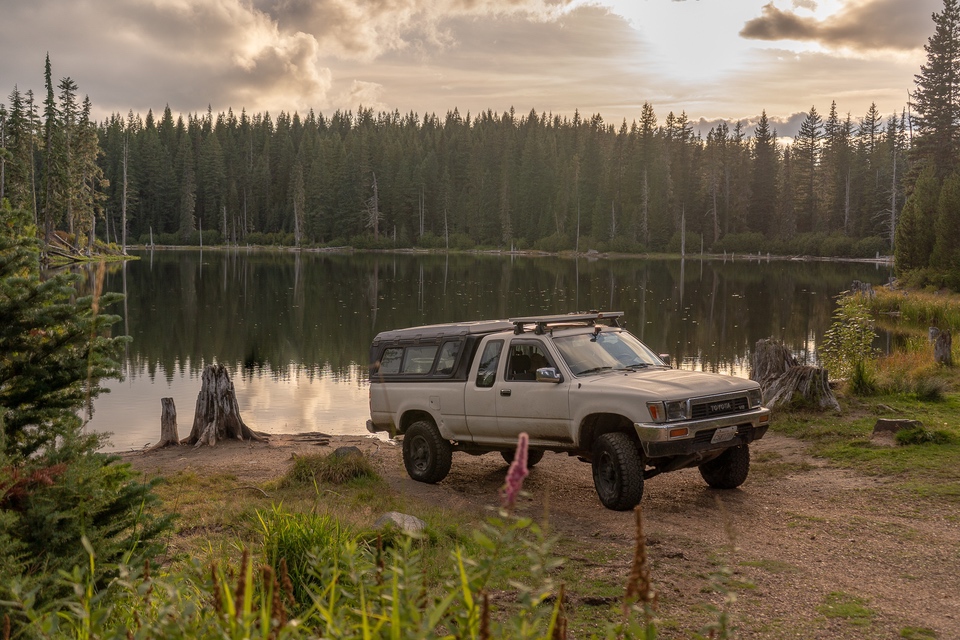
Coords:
589,353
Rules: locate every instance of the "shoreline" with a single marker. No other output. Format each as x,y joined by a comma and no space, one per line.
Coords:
528,253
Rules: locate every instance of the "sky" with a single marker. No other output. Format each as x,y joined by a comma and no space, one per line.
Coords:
713,59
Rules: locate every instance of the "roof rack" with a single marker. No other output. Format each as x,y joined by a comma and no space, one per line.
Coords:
540,323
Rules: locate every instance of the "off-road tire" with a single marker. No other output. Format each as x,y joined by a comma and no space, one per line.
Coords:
728,470
426,454
617,471
533,456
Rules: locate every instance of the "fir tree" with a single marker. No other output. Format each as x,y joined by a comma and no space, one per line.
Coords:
55,488
946,248
936,101
915,233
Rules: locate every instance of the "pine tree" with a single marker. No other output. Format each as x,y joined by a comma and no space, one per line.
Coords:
936,102
806,163
763,201
55,488
946,248
915,233
188,190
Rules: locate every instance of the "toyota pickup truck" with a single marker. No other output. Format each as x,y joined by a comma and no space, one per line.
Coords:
578,384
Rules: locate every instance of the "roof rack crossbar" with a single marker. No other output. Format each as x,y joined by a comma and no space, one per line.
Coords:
541,323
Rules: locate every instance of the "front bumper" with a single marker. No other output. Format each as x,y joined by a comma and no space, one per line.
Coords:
658,443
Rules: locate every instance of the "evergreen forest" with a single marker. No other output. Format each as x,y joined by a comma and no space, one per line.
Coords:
381,180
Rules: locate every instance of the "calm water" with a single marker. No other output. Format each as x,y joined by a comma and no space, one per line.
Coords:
294,329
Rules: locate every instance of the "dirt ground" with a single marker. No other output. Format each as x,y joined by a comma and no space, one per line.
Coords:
818,552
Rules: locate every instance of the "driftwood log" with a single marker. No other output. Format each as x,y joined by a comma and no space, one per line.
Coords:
785,382
218,413
943,349
168,425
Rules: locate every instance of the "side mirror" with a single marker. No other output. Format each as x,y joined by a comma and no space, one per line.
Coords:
665,357
548,374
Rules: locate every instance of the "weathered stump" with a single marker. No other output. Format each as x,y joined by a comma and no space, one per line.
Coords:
804,385
218,413
770,360
943,349
862,288
168,425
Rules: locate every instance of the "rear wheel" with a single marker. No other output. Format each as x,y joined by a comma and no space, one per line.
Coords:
426,454
728,470
617,471
533,456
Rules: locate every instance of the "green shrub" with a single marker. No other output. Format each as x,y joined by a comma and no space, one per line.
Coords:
871,247
297,541
751,242
837,246
329,469
863,381
930,388
849,340
922,435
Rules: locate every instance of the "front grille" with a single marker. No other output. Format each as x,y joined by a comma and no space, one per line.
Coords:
722,407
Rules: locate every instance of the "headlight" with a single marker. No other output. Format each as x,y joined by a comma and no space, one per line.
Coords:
668,411
677,410
755,397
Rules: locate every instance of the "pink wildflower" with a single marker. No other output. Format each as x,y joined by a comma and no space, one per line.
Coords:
515,474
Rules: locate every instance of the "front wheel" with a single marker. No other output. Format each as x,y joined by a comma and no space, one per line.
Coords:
728,470
617,471
533,457
426,454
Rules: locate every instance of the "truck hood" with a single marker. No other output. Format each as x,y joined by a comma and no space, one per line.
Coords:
669,384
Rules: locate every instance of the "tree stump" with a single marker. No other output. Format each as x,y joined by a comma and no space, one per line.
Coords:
769,361
218,414
943,349
862,288
168,425
803,385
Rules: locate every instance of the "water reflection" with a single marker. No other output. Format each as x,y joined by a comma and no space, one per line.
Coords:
294,328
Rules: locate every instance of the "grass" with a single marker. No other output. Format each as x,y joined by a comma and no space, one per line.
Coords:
852,609
771,566
926,460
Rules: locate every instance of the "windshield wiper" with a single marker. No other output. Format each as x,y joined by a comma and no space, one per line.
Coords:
594,370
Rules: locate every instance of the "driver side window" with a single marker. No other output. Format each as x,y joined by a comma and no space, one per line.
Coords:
489,359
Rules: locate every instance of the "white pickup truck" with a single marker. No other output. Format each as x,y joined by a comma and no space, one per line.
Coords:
577,383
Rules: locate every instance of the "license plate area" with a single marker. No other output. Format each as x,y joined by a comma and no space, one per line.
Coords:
723,434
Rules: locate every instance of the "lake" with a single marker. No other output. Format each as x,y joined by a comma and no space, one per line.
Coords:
294,329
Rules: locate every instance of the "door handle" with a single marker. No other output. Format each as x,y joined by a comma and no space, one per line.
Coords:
504,392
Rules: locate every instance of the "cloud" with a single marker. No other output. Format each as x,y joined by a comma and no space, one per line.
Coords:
859,25
588,59
257,54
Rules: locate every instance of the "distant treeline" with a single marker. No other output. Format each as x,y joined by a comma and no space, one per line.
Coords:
383,179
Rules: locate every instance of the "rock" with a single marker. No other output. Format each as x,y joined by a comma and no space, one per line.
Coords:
343,452
406,523
885,429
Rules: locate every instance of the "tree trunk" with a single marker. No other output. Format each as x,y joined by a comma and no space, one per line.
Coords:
168,425
802,385
218,414
942,349
770,360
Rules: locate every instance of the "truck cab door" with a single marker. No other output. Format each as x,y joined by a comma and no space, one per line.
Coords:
479,397
541,408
